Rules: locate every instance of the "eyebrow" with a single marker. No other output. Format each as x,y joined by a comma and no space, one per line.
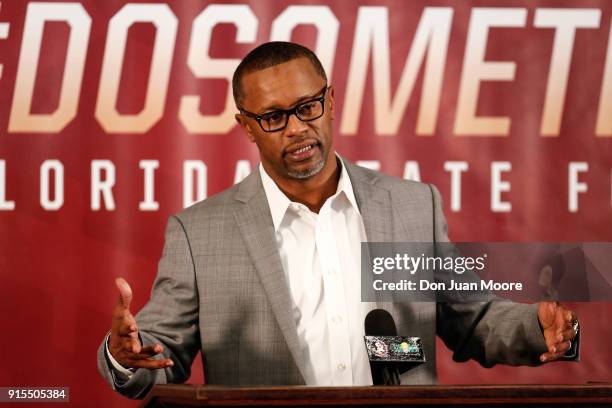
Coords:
305,98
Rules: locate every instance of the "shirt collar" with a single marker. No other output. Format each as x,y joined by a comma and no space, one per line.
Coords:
279,202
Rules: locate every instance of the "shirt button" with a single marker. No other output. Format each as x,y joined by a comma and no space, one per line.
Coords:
331,271
337,319
341,367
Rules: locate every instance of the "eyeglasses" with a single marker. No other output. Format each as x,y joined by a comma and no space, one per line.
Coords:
278,119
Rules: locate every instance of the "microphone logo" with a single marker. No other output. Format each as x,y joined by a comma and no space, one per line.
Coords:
380,349
394,349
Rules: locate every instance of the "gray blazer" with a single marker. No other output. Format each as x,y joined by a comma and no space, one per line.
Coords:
220,289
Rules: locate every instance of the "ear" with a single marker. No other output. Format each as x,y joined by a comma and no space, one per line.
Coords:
330,97
245,126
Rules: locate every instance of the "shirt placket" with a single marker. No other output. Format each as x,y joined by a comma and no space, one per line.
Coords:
335,301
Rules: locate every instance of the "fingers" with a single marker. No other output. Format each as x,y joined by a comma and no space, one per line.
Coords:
146,352
567,316
548,357
152,364
143,358
559,351
566,335
564,328
559,334
150,351
125,292
558,348
563,317
564,347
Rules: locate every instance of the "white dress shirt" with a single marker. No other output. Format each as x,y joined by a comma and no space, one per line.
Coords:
320,254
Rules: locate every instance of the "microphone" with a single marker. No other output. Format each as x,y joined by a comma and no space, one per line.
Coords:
379,322
389,354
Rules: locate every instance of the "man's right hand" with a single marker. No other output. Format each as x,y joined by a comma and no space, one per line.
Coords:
124,343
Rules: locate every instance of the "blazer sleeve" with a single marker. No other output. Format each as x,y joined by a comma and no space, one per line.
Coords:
170,318
497,331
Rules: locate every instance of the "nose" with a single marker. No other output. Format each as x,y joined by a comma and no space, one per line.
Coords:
295,127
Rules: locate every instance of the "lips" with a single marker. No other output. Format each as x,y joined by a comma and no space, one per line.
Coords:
300,146
301,151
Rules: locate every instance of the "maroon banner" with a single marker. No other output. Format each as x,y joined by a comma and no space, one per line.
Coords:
116,114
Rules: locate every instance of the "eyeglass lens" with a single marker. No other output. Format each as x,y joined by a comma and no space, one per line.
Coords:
305,112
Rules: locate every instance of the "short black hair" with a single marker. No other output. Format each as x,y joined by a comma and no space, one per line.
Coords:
268,55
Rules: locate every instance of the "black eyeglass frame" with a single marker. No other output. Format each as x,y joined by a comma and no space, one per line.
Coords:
289,112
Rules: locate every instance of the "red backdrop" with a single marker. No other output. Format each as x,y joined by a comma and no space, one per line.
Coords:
516,99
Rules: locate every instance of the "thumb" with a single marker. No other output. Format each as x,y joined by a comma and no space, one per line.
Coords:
125,292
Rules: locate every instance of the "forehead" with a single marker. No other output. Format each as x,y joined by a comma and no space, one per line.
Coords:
280,86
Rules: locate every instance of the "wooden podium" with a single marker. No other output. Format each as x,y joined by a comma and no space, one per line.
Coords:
523,396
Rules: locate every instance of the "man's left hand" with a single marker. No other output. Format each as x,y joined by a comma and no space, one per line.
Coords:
557,325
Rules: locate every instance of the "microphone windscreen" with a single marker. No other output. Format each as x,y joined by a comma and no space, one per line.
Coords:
379,322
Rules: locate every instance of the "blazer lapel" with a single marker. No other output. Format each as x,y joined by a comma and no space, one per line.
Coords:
256,227
381,221
376,211
374,204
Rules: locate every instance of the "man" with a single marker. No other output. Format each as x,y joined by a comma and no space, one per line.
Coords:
263,278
